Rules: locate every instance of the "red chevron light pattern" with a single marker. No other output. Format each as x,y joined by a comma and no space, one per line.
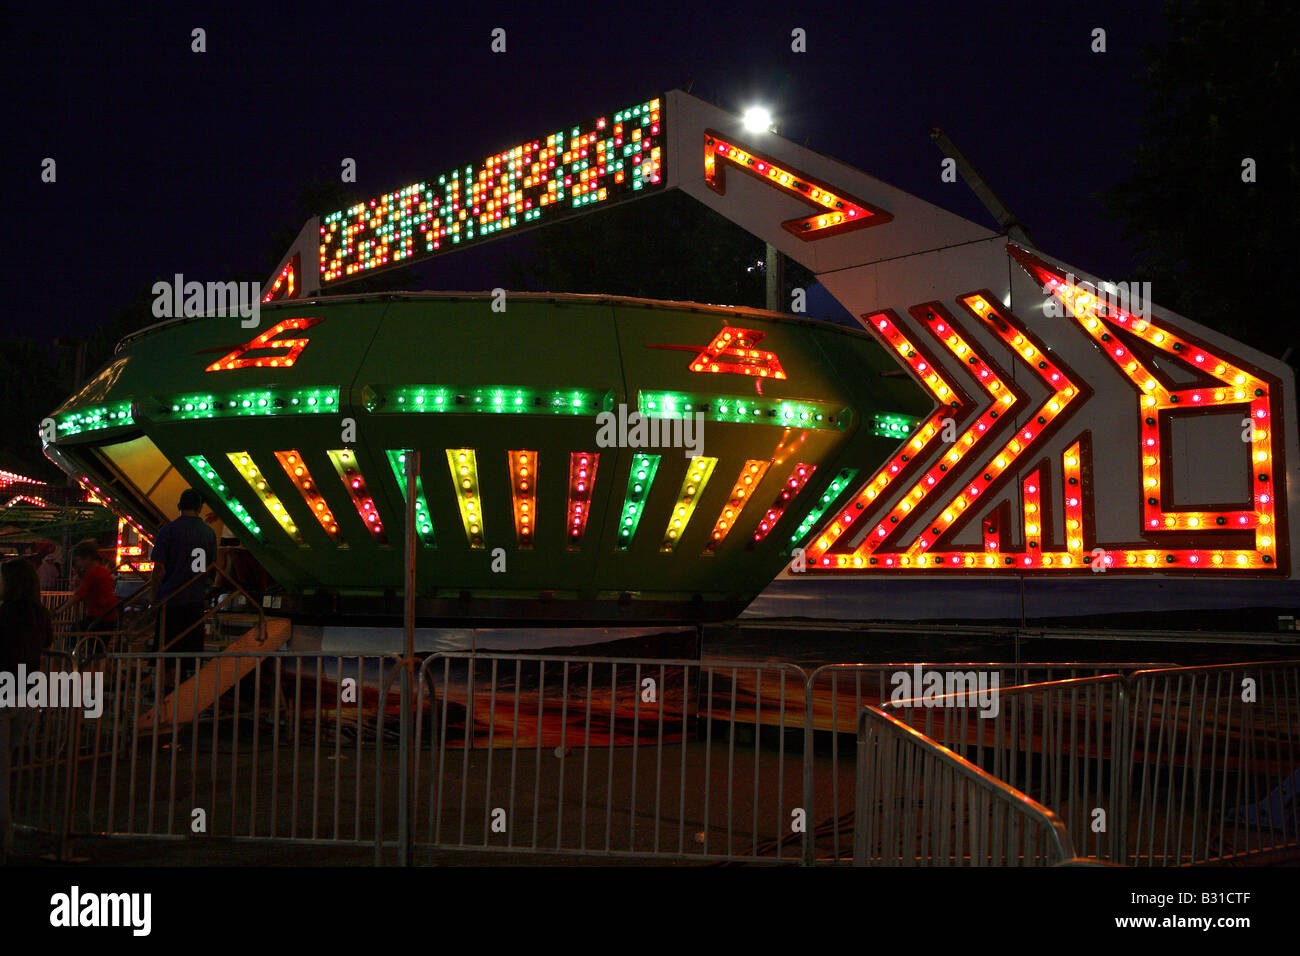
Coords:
1173,540
836,212
920,551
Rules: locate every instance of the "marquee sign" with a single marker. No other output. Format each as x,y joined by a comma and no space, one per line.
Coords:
613,157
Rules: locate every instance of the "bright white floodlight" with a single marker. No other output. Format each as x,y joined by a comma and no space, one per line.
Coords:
758,119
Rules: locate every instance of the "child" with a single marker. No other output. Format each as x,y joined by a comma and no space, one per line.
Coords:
96,588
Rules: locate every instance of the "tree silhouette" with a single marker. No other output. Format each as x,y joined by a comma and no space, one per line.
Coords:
1215,248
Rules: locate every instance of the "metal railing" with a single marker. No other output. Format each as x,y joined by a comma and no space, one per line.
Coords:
63,610
1214,759
136,632
836,694
1059,743
41,752
920,804
608,756
653,759
269,746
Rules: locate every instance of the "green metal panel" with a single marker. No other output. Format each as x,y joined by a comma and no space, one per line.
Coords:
531,378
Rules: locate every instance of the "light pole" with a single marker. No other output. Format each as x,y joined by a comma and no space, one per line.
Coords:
775,279
758,119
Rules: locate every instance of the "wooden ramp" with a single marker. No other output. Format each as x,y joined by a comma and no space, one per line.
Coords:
196,694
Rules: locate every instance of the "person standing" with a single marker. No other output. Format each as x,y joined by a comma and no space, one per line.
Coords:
48,573
96,590
176,562
25,633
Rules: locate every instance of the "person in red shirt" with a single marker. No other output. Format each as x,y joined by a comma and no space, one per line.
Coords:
96,590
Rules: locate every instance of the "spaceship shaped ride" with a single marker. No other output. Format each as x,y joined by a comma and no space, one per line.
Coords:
999,413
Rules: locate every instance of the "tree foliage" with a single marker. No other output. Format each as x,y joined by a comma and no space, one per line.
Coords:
1215,248
29,389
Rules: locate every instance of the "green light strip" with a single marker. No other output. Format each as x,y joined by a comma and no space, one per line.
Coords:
296,401
842,481
494,399
742,409
888,425
639,480
213,481
94,418
423,520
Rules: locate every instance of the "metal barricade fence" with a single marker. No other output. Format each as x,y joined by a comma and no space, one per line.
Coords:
920,804
836,694
53,599
1215,763
1059,743
657,759
264,746
41,752
64,613
660,759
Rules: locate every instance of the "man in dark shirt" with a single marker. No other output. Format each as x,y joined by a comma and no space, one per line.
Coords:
176,561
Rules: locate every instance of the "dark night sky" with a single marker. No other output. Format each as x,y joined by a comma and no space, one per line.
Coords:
171,161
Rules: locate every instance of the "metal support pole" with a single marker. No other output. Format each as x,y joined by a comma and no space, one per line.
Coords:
406,773
775,273
809,746
70,785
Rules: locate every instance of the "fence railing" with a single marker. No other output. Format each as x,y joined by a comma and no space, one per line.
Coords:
41,757
921,804
263,746
1058,743
63,610
1214,760
139,620
608,756
643,758
836,694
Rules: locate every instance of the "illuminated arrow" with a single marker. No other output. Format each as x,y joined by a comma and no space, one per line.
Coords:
1003,396
837,212
738,346
285,285
921,551
1227,382
732,352
268,340
952,403
1066,396
1198,539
